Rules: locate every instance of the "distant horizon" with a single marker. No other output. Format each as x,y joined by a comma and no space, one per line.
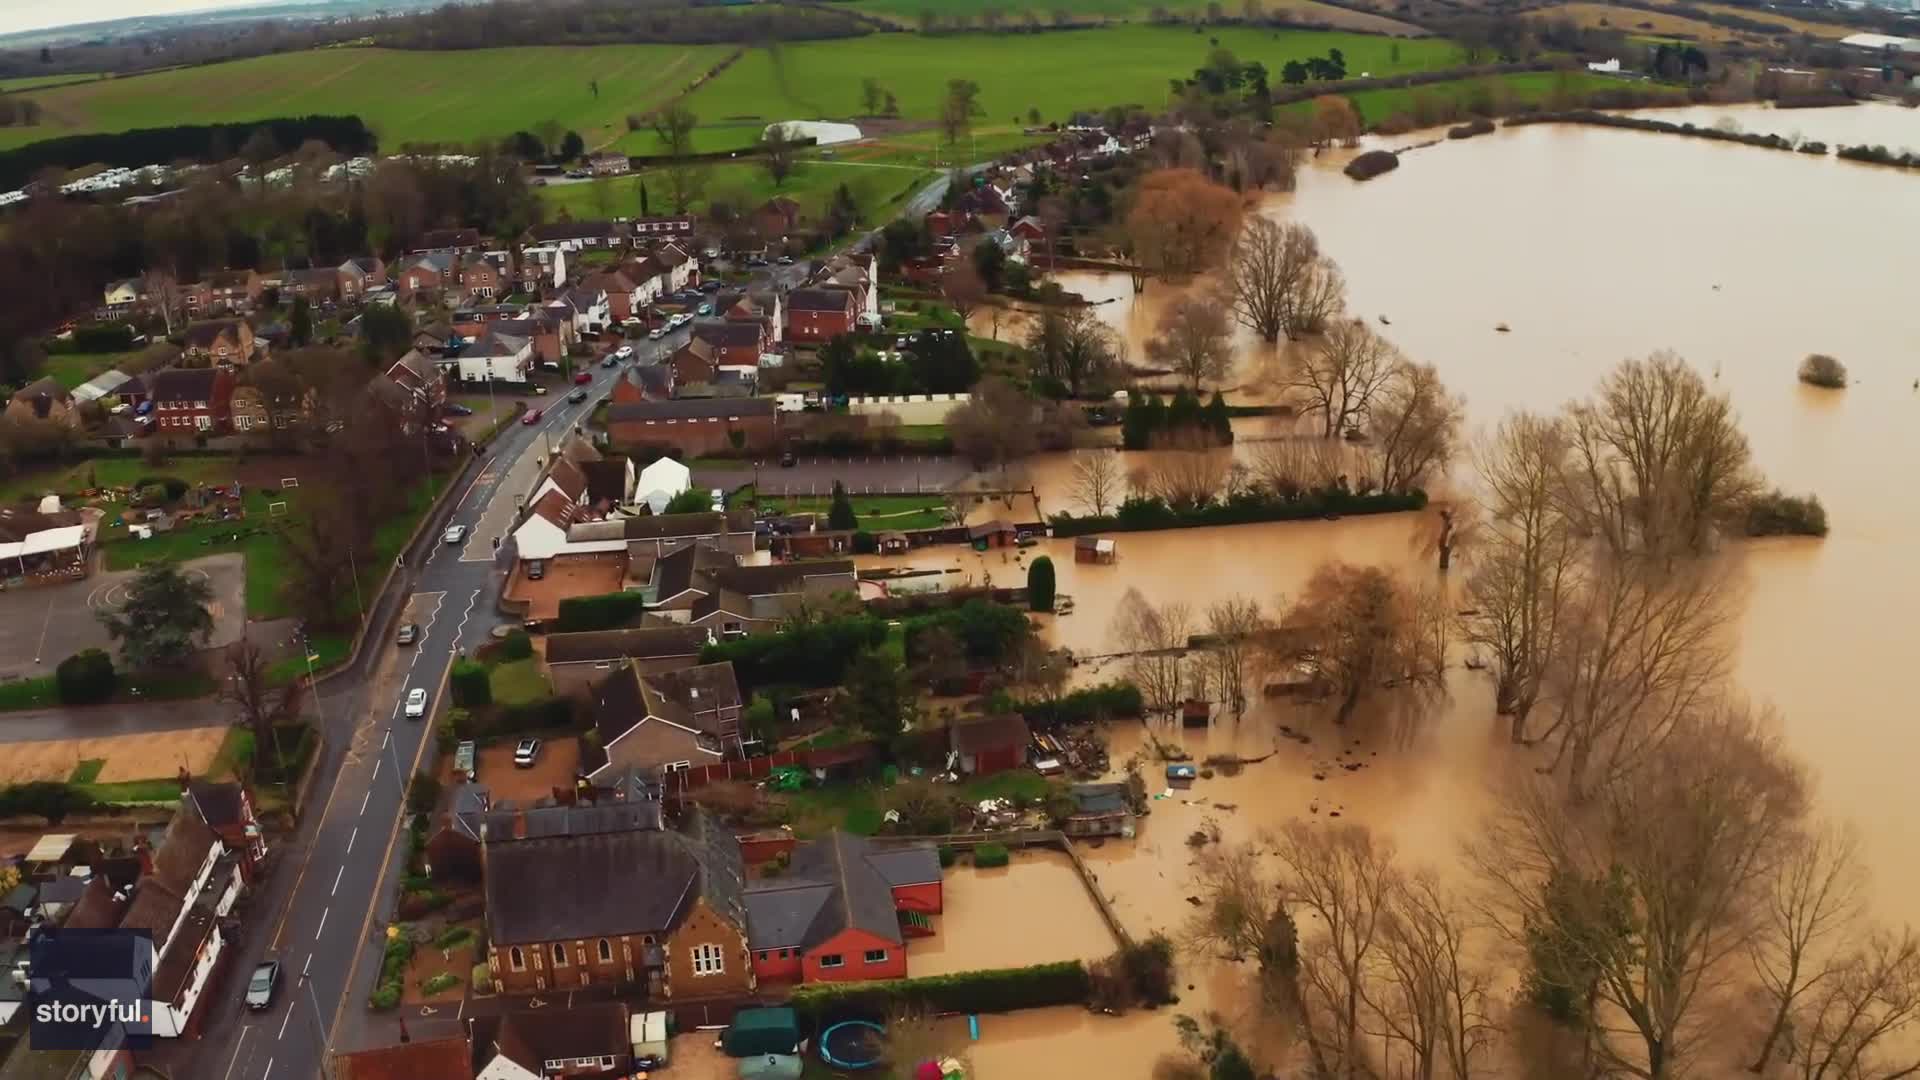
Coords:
31,16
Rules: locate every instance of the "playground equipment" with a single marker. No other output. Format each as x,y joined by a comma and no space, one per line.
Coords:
853,1045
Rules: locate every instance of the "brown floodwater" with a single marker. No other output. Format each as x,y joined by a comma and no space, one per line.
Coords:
1031,911
1592,245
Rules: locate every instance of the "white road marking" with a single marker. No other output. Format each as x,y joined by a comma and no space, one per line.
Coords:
305,966
350,838
336,877
235,1060
376,765
268,1070
283,1023
363,800
324,912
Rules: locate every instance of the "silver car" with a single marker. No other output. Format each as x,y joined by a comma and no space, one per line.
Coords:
260,988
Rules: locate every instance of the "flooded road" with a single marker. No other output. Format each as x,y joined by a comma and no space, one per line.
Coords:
1593,245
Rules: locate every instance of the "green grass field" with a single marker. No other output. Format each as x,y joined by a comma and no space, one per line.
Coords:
1376,105
876,190
1057,73
908,12
451,97
43,82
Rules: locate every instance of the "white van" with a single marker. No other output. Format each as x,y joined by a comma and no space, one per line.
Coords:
790,403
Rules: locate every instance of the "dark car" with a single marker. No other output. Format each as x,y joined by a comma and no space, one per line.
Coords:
610,361
579,394
536,569
787,460
263,983
454,408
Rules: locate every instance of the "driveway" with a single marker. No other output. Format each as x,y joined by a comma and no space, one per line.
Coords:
815,476
43,625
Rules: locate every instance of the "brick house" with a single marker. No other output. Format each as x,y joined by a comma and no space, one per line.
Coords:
44,399
817,316
416,372
660,908
191,401
665,719
989,744
681,268
446,1058
551,337
427,275
221,341
734,342
577,662
609,163
655,228
707,588
695,426
777,218
227,808
482,279
843,910
591,235
586,1039
357,275
222,291
623,296
763,305
320,285
452,241
693,364
122,298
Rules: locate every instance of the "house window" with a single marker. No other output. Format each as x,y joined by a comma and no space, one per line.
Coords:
677,766
516,959
876,956
709,960
606,952
203,422
559,956
833,960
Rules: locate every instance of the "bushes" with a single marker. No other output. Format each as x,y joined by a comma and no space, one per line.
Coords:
1822,370
516,646
607,611
988,856
1083,706
454,937
947,856
1372,164
988,631
1779,514
85,678
1040,585
1478,126
44,798
1003,990
446,980
1139,514
469,684
385,996
424,793
114,337
810,656
1136,974
347,135
482,979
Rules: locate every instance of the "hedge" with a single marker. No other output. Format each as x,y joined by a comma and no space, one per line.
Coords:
987,856
1147,515
469,684
809,656
606,611
1101,702
1000,990
516,646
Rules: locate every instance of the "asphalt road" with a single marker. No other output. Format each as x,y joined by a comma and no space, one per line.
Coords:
327,926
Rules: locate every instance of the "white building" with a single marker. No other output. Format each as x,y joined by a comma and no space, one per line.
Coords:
494,357
822,132
660,482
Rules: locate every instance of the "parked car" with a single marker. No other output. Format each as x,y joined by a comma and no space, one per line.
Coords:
536,569
583,378
532,417
610,362
624,352
706,309
656,333
539,389
262,984
525,753
454,534
579,394
785,260
719,499
416,703
454,408
409,634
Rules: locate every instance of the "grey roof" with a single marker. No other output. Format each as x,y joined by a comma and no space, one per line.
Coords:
468,809
731,332
690,409
62,890
778,577
644,642
686,698
541,822
575,230
219,804
631,882
1099,799
183,384
833,883
820,300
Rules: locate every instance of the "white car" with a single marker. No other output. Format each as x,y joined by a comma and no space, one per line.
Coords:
416,703
454,534
623,352
656,333
719,499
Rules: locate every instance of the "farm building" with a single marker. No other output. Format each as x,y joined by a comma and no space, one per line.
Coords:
823,133
989,744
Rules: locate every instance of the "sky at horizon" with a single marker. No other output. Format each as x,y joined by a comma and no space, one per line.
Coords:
19,16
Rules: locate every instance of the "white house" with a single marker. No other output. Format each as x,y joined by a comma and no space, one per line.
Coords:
544,262
660,482
679,264
193,886
494,357
589,310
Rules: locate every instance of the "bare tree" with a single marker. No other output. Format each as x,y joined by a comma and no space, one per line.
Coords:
1289,467
996,426
674,126
1528,562
163,292
1181,222
963,288
1235,627
1658,460
1685,851
1347,879
1195,340
1848,1029
1278,282
262,706
778,154
1642,648
686,181
1096,480
1183,472
1414,427
1072,345
1359,630
1428,986
1338,377
1813,896
1156,638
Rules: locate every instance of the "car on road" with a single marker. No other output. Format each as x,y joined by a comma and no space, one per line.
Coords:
454,408
454,534
416,703
787,460
409,634
525,753
583,378
579,394
262,985
532,417
656,333
624,352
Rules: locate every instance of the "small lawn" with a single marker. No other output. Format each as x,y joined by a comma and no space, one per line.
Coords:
328,650
165,789
855,808
874,512
40,693
518,682
1021,785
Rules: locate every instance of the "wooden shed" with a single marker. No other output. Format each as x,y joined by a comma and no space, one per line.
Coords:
1094,549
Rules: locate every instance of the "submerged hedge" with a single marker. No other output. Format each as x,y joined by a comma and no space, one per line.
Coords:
999,990
1146,515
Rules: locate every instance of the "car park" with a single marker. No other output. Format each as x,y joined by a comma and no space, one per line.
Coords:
454,534
409,634
416,703
262,984
525,753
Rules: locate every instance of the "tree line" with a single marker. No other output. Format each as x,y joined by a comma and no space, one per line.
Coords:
182,142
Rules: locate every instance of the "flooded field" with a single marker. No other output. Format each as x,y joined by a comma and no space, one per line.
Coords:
1031,911
1592,245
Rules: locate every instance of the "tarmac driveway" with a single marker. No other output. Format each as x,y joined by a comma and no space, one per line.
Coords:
43,625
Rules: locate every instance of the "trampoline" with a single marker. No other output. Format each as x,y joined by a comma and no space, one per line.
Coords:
853,1045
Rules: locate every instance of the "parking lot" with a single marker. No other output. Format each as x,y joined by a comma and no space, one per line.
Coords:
44,624
568,575
559,760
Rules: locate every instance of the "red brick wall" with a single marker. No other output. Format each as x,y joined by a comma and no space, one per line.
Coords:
759,849
818,326
851,946
928,898
696,438
778,965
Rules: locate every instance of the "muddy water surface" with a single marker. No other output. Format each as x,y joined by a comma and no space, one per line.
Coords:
1032,911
